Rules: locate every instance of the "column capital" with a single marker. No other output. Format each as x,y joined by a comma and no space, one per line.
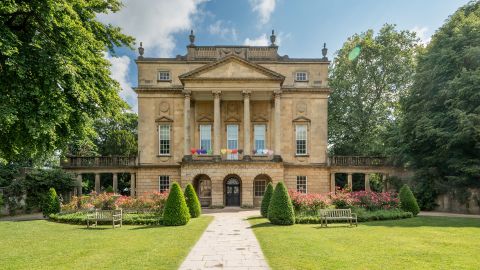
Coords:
187,93
277,93
216,93
246,93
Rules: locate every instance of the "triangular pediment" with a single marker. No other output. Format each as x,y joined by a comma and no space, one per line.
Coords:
301,119
163,119
232,68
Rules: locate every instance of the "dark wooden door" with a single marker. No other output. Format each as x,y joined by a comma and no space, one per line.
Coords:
232,187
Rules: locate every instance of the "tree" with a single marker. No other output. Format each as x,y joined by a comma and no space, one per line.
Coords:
176,211
54,77
267,196
51,205
407,201
192,201
441,127
109,136
368,76
280,210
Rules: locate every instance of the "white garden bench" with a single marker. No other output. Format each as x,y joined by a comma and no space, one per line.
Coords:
337,215
115,216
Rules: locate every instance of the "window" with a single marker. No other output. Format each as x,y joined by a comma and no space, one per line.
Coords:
163,183
259,186
164,76
232,140
301,77
302,184
164,139
206,137
259,135
301,139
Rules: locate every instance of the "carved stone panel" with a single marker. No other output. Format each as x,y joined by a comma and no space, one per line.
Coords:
260,111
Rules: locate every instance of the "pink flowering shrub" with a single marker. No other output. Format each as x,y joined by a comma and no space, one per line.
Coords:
375,201
308,203
342,199
149,202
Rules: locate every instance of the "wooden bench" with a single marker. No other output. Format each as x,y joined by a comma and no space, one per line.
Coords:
115,216
337,215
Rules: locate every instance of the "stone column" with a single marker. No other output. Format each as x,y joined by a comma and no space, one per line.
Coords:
132,184
216,123
332,182
246,124
367,182
79,184
115,183
277,123
97,183
186,124
350,181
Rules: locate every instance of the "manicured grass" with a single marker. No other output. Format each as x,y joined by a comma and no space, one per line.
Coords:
49,245
415,243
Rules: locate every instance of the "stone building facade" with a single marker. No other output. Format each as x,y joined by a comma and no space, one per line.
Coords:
230,119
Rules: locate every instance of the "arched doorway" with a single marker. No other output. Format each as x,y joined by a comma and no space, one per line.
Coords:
259,186
232,191
203,187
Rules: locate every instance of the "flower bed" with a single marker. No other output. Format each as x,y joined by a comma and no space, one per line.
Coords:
367,205
143,210
151,202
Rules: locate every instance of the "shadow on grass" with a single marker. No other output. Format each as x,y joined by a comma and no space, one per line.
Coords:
256,217
145,227
452,222
96,228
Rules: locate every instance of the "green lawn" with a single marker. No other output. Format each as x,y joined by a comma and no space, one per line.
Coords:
416,243
49,245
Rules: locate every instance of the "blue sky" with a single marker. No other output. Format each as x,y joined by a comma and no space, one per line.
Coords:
301,26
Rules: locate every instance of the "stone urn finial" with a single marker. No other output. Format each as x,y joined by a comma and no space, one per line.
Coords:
141,50
324,51
192,38
273,38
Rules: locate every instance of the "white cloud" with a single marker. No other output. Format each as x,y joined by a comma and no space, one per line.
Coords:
119,72
264,8
155,22
223,30
262,40
422,34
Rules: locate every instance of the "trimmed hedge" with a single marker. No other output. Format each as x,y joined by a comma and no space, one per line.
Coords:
280,210
363,216
407,201
192,201
266,200
51,205
176,211
128,219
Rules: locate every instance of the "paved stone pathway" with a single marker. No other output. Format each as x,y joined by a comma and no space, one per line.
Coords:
445,214
227,243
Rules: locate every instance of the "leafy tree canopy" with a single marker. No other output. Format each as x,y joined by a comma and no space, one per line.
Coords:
441,127
109,136
367,78
54,78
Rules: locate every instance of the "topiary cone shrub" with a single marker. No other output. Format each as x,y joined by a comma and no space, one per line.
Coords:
192,201
266,200
280,210
407,200
176,210
51,204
